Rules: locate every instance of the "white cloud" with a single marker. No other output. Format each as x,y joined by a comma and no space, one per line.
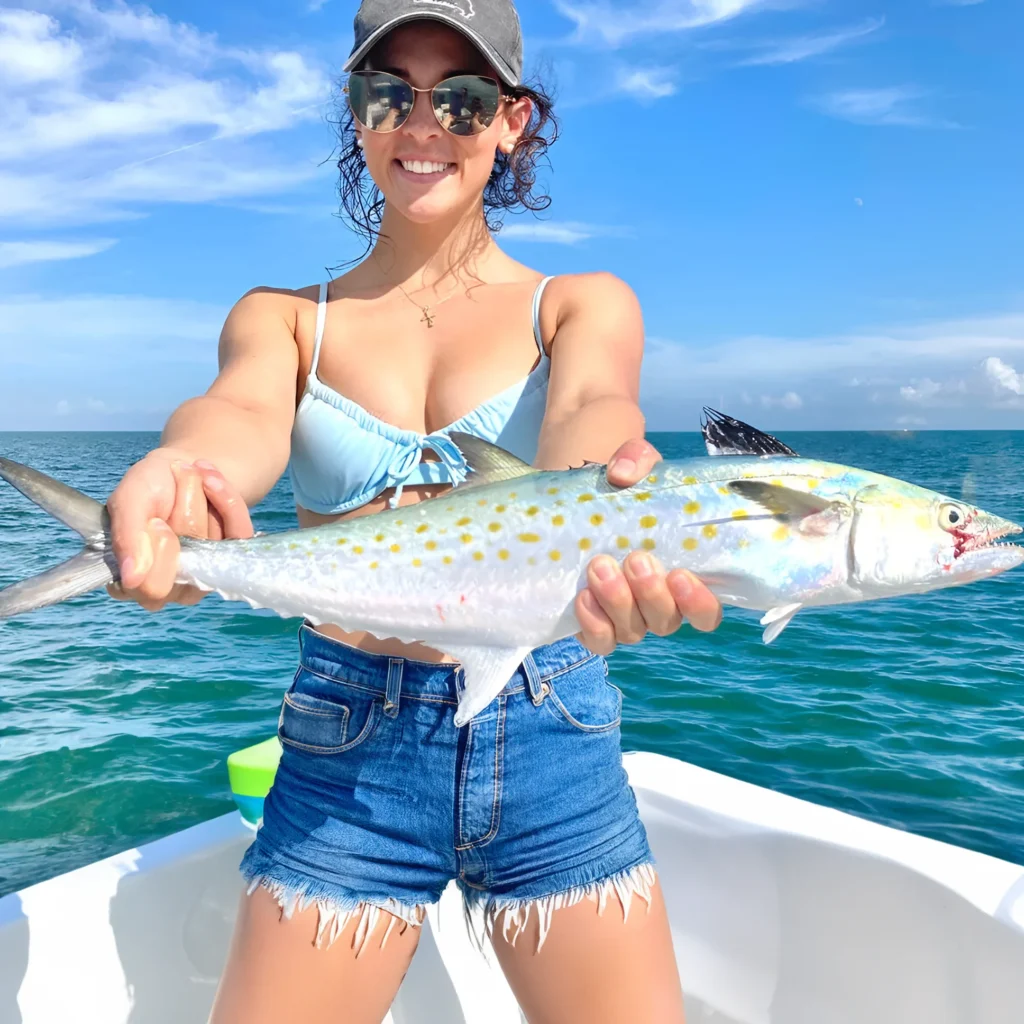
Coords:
556,232
790,400
109,108
789,51
926,391
614,23
896,106
646,83
1003,376
858,200
13,254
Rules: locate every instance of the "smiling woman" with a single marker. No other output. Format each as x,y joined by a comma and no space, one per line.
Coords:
384,795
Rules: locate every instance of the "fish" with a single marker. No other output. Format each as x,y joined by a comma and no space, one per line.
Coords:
490,570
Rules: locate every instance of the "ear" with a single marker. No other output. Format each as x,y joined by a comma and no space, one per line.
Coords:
515,119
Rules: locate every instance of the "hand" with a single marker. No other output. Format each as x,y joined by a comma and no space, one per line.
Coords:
158,500
621,605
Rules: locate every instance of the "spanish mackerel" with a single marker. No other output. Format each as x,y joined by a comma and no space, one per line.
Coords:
490,570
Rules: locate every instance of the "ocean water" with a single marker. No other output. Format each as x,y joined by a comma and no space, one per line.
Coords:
115,724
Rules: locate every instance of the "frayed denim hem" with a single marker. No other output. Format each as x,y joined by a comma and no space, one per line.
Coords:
635,881
336,909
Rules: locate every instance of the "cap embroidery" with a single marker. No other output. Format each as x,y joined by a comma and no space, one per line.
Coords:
464,7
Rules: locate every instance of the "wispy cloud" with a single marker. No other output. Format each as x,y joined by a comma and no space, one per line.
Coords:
13,254
896,106
110,108
647,83
790,400
557,232
614,23
798,48
1003,376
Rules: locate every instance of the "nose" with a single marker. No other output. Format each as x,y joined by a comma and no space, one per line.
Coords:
421,123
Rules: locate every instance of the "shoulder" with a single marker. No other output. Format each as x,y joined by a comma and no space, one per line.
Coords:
585,291
266,301
601,304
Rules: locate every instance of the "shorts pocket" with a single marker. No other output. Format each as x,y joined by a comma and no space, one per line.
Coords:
324,716
585,698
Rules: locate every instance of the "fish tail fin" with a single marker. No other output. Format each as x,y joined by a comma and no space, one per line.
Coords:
90,569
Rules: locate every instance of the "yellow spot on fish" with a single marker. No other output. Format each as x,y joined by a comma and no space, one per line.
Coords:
555,556
431,545
689,480
812,484
395,548
559,503
512,495
478,556
342,540
652,479
309,554
416,563
482,502
623,542
447,559
450,508
647,544
357,550
741,513
499,508
585,544
558,520
334,565
596,519
423,528
464,521
503,555
531,560
315,540
691,508
583,498
923,523
743,543
709,531
529,538
690,544
648,522
782,533
777,483
494,527
643,496
552,490
374,565
467,538
532,510
293,547
724,490
379,537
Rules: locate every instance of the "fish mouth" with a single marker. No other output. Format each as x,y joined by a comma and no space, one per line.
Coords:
994,539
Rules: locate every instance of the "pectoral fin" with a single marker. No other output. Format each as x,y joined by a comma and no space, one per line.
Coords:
778,619
487,670
809,512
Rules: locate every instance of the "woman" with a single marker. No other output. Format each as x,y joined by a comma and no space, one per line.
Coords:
528,805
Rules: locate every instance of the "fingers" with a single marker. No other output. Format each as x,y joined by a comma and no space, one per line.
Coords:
232,515
147,491
189,516
612,613
695,602
632,462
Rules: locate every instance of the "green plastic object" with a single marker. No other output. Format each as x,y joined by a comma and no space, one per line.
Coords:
251,774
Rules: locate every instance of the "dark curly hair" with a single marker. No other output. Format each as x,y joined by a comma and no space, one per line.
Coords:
512,183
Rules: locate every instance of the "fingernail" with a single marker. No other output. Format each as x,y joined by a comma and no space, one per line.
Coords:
179,467
625,466
587,600
127,568
143,556
204,464
684,581
642,566
604,569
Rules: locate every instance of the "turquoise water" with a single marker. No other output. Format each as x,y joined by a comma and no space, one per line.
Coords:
115,724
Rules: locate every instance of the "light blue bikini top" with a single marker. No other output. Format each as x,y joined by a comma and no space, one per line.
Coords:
342,456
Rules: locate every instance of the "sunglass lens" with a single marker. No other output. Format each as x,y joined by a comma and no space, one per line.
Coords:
379,101
466,104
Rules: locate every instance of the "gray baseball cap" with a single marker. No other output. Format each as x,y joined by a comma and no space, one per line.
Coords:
491,25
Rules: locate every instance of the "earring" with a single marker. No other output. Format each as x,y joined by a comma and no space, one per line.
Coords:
359,142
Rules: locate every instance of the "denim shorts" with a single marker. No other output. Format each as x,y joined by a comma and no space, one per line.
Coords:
380,801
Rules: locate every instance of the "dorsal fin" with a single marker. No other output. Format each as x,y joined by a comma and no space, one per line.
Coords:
724,435
487,462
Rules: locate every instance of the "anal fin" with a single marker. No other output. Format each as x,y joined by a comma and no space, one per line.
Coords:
778,619
487,670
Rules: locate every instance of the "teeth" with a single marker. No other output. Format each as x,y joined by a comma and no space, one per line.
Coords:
424,167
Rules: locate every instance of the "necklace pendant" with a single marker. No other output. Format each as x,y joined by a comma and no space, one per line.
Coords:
427,317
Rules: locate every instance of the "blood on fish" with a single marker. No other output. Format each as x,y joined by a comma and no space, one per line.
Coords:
462,599
440,612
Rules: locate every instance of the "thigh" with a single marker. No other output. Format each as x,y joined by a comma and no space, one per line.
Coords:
275,972
596,968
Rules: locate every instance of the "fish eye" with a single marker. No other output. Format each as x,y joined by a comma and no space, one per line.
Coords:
952,517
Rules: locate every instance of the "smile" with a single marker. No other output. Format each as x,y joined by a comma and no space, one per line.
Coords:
425,167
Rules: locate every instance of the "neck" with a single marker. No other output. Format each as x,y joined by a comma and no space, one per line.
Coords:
422,256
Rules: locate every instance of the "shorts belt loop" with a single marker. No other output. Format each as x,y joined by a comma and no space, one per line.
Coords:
537,687
392,694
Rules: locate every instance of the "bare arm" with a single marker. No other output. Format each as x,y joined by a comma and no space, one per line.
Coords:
219,454
593,415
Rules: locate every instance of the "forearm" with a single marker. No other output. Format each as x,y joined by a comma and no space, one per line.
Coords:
590,434
250,448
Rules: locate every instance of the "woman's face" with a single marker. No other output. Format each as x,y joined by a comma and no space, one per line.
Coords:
457,167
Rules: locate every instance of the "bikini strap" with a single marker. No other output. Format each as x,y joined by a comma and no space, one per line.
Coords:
321,319
537,296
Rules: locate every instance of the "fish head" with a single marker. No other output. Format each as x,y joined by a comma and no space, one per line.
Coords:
909,540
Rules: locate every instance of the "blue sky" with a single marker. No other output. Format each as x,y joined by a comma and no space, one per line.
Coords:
818,202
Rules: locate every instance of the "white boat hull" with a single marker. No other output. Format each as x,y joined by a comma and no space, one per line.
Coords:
782,912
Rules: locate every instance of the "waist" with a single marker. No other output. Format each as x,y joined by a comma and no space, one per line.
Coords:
427,680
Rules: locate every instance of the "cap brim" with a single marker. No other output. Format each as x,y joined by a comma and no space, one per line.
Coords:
507,75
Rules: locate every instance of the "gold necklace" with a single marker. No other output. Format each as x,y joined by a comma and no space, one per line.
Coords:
428,317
